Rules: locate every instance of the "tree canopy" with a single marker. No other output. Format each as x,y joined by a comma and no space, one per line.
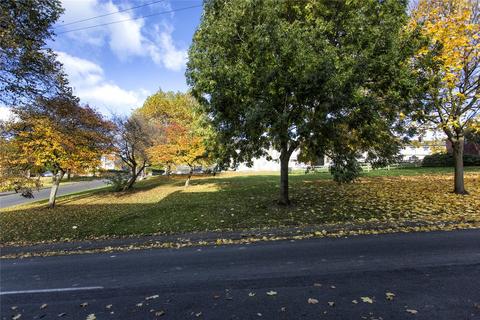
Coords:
27,67
57,134
325,76
184,134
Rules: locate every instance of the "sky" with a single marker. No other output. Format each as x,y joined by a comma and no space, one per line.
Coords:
115,67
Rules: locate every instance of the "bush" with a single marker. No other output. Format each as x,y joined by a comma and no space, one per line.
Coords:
446,160
118,180
345,169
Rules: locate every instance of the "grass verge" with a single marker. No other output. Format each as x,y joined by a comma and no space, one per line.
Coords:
244,201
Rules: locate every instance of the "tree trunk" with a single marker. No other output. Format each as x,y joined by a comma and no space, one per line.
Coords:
457,146
133,178
69,174
187,183
53,192
284,159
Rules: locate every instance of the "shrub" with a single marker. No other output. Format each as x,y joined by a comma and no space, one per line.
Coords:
345,169
118,180
446,160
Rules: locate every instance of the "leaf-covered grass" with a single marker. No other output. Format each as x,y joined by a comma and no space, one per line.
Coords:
240,201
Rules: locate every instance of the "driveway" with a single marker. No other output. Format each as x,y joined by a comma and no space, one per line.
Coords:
8,199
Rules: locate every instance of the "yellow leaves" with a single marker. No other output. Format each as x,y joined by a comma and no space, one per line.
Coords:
453,34
389,295
367,299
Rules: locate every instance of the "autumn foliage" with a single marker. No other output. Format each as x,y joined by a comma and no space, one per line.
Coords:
57,135
449,61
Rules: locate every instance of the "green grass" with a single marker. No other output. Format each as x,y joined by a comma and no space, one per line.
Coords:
242,201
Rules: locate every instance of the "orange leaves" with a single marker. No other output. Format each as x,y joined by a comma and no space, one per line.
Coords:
59,134
180,146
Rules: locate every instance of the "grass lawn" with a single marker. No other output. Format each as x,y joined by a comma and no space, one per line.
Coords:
232,201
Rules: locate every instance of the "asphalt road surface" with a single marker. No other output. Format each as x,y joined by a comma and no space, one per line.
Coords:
13,199
432,276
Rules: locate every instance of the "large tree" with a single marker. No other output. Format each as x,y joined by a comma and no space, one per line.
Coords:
450,61
321,75
27,68
58,134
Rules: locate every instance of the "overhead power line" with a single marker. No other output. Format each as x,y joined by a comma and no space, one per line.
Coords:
125,20
109,14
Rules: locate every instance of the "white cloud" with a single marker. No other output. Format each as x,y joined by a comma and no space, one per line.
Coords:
133,38
5,113
90,85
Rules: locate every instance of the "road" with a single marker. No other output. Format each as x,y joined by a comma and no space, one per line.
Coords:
13,199
432,275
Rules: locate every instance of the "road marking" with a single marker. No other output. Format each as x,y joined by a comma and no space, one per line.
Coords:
49,290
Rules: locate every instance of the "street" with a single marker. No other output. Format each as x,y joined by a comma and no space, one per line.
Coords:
12,199
397,276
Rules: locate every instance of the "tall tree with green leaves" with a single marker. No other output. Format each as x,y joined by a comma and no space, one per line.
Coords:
324,76
27,67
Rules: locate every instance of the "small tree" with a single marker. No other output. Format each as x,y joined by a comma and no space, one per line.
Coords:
450,60
133,136
56,133
182,139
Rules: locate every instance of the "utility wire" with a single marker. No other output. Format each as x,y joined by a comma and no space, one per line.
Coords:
109,14
125,20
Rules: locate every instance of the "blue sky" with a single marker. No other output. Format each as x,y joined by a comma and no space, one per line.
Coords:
115,67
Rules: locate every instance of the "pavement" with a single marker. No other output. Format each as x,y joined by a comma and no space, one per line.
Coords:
8,199
432,275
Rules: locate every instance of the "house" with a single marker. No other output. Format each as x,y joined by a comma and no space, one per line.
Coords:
412,153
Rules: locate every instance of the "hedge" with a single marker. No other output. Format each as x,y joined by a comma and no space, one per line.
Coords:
446,160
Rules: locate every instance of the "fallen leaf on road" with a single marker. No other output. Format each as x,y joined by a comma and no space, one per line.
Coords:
283,309
331,303
366,299
259,314
272,293
390,295
198,314
17,316
83,305
312,301
14,308
139,304
155,296
91,316
354,301
216,296
43,306
108,306
317,284
251,294
63,314
333,287
412,311
159,313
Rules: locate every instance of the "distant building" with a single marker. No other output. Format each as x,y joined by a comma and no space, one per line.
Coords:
411,153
